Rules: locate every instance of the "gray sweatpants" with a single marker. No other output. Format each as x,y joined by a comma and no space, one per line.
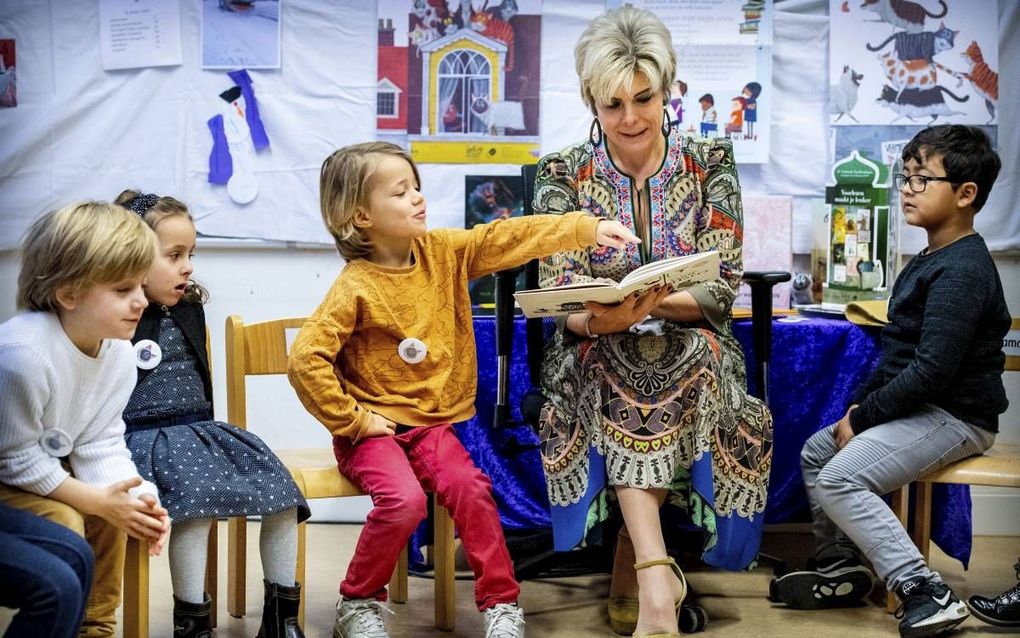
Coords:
845,487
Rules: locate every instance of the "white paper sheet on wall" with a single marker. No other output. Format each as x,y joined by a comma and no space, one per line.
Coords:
139,33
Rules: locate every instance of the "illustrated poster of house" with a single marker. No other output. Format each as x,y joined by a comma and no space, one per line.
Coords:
724,68
913,62
459,81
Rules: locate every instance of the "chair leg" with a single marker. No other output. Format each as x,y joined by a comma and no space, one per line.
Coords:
900,506
922,518
398,582
445,573
136,589
299,572
237,540
211,567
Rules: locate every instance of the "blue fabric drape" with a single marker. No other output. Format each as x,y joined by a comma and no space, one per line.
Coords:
815,367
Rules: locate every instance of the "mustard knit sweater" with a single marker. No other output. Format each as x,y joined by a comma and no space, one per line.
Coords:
344,363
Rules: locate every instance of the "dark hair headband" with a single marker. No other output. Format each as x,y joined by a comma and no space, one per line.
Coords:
141,204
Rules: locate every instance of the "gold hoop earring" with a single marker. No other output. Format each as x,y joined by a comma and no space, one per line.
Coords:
596,129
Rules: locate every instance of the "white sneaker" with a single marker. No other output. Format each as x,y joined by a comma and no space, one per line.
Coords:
504,621
360,618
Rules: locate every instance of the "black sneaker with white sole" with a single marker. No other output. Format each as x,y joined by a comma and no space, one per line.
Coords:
928,608
837,582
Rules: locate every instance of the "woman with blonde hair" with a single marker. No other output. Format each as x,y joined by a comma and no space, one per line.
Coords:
646,400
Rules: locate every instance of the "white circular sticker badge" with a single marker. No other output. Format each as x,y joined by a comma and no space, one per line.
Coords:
148,354
412,350
56,442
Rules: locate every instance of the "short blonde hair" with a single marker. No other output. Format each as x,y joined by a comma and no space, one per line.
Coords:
344,185
618,44
153,209
81,245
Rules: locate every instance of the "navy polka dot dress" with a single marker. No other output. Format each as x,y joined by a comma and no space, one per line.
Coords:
205,468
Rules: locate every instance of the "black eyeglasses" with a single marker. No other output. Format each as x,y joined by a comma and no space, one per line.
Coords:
917,182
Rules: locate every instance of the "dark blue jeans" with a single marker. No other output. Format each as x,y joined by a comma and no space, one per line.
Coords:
45,572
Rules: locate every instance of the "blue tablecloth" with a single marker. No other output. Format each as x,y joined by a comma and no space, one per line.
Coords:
816,365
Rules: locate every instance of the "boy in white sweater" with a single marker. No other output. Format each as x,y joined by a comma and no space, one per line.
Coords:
67,370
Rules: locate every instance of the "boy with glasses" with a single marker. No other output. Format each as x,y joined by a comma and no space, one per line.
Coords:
934,398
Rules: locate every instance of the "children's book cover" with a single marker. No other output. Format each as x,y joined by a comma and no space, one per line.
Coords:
486,199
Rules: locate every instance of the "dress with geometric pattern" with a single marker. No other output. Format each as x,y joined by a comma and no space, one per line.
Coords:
664,405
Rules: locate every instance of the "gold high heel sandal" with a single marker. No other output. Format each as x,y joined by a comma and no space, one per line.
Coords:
623,612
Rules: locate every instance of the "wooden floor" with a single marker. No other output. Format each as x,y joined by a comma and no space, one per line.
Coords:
575,607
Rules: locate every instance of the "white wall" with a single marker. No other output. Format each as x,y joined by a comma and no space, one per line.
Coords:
260,283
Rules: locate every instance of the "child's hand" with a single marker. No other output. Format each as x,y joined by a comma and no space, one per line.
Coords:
134,516
379,426
843,431
156,548
615,234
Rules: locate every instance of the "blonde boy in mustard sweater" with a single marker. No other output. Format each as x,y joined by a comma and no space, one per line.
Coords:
387,364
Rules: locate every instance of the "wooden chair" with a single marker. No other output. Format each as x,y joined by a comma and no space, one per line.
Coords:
261,349
136,574
998,467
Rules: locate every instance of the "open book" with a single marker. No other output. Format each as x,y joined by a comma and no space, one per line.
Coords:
677,272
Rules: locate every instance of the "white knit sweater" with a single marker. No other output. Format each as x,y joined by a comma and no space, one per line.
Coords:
47,382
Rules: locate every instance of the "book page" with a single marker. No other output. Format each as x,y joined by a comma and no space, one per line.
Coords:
653,273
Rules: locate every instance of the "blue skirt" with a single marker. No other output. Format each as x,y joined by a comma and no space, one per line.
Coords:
211,469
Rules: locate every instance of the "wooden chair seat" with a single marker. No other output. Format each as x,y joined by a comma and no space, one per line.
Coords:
998,467
315,472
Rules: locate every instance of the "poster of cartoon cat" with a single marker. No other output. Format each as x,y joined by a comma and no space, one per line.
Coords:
917,62
458,81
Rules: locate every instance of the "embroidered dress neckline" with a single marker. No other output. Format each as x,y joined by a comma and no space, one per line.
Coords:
652,246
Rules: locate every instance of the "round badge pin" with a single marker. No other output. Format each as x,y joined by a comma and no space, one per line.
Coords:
412,350
148,354
56,442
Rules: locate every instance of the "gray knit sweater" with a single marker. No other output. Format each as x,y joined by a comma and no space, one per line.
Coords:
943,344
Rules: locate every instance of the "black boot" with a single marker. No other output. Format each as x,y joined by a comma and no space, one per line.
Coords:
280,612
191,620
1003,610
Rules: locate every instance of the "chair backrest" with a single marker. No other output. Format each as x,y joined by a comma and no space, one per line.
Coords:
253,349
535,333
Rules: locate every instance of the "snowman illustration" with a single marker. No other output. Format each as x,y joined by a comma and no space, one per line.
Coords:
242,186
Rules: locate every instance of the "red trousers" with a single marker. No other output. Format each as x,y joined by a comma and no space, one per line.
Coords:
396,471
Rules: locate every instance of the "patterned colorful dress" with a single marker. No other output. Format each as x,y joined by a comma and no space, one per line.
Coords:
666,407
